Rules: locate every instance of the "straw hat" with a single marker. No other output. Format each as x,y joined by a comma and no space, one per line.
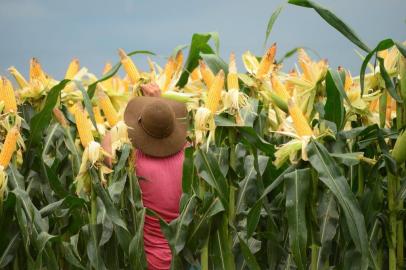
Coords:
157,126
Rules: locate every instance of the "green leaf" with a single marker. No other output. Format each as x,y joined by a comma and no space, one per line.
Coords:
334,108
41,120
198,45
388,81
248,191
333,20
10,250
271,22
215,63
297,185
136,249
113,213
248,256
209,169
221,252
328,220
330,175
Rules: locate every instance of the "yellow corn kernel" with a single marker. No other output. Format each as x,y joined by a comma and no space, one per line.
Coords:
232,77
169,71
207,74
97,115
9,147
73,69
178,61
374,105
129,66
214,94
7,95
299,120
195,75
18,77
83,125
266,62
279,88
107,107
36,71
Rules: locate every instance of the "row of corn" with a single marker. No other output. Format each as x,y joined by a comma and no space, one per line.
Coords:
290,98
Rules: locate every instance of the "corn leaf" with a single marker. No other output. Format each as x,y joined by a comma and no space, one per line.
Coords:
331,176
297,185
333,20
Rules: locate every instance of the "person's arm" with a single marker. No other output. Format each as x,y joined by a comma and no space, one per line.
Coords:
151,90
106,144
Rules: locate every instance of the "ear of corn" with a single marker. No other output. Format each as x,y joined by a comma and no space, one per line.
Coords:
107,107
178,61
60,117
73,69
299,120
305,64
107,83
7,95
97,115
214,94
169,71
9,147
232,77
36,72
207,74
129,67
266,62
18,77
195,74
279,88
83,125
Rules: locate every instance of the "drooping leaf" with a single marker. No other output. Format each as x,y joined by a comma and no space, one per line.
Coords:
271,22
334,21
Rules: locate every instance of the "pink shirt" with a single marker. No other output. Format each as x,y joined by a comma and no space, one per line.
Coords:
161,185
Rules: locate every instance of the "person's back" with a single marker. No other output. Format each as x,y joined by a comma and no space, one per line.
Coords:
160,181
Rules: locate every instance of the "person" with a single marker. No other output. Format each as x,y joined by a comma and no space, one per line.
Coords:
158,134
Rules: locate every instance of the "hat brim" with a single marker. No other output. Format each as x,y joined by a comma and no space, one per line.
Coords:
147,144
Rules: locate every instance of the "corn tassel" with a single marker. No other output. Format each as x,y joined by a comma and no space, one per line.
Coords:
129,67
73,69
107,107
207,74
9,147
169,71
279,88
18,77
232,77
214,94
299,120
83,125
7,95
266,62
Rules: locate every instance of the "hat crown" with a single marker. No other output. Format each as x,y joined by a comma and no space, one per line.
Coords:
157,119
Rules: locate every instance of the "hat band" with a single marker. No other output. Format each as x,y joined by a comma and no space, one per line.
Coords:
156,136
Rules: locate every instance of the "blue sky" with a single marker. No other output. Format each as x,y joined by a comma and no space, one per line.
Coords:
56,31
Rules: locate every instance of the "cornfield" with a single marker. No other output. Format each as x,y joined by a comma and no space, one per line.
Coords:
287,168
